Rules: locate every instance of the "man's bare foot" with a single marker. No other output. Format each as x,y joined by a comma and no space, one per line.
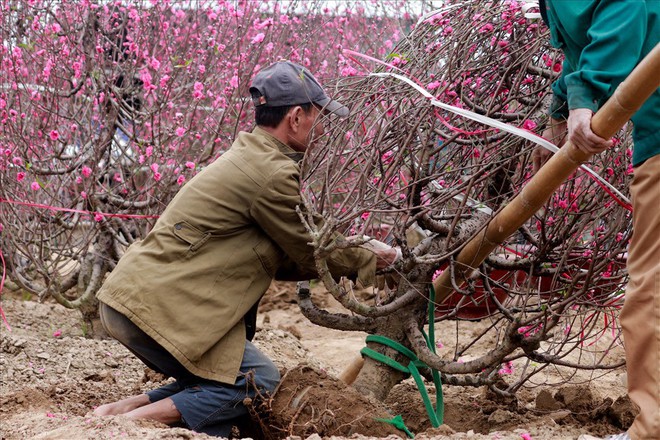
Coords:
162,411
122,406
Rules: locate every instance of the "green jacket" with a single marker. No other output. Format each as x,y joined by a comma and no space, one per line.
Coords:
603,40
214,252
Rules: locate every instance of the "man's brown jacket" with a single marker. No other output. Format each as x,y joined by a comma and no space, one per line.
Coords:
214,252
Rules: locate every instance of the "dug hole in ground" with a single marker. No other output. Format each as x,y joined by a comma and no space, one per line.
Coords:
53,376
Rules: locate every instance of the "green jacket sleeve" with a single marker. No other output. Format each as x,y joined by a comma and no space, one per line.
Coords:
615,40
275,212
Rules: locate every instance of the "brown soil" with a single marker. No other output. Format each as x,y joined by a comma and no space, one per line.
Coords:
52,376
309,401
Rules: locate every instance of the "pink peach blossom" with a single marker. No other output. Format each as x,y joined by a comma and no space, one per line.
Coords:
529,124
258,38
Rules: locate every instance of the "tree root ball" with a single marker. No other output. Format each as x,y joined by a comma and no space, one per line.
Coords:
309,401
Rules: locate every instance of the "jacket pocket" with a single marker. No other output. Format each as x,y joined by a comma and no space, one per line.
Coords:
269,255
191,235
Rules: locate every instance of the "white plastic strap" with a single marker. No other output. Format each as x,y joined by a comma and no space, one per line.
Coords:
531,5
497,124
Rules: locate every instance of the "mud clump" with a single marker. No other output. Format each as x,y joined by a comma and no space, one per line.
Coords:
578,399
309,401
546,402
584,404
622,412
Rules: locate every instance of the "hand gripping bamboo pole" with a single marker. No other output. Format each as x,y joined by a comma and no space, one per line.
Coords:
626,100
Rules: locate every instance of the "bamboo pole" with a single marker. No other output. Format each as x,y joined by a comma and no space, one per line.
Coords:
351,372
626,100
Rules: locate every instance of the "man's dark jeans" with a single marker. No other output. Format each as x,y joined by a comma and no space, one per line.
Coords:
205,405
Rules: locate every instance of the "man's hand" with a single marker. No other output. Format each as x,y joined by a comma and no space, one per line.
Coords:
386,255
555,133
580,134
385,258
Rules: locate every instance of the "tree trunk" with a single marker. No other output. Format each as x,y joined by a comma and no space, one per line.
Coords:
377,379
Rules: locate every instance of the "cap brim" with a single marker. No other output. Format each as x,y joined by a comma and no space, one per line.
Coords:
334,107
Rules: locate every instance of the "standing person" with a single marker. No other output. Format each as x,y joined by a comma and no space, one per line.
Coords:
603,40
184,299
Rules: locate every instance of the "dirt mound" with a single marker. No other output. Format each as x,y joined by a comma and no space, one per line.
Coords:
59,427
309,401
